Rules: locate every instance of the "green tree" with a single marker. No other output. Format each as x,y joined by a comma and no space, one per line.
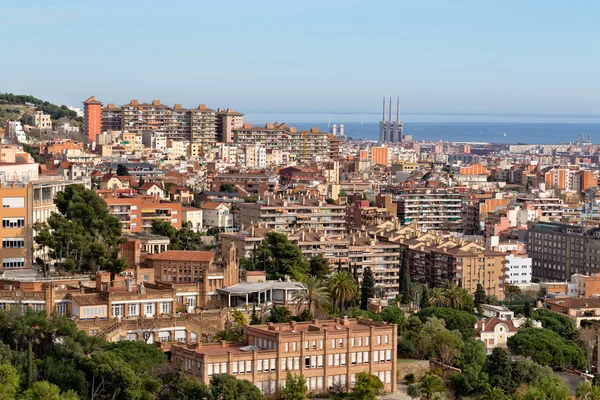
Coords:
9,382
122,170
560,324
499,368
393,315
547,348
342,288
228,387
140,356
280,314
454,319
227,188
111,375
424,300
239,319
494,394
431,384
405,284
278,257
43,390
527,310
319,266
86,236
471,362
228,335
367,387
295,387
182,239
480,295
587,391
254,318
315,297
367,289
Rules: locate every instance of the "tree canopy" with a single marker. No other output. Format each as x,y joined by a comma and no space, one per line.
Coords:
180,239
278,257
295,387
83,235
367,289
547,348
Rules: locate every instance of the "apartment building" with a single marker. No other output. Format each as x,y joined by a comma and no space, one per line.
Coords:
92,117
285,214
42,121
361,214
217,215
137,213
432,209
382,257
435,258
228,120
329,354
197,125
301,146
15,232
561,250
551,208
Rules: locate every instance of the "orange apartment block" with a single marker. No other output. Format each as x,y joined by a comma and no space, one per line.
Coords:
59,146
137,213
329,354
474,169
92,116
379,155
16,237
588,179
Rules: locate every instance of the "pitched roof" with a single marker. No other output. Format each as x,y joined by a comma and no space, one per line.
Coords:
148,186
211,205
489,325
183,255
89,299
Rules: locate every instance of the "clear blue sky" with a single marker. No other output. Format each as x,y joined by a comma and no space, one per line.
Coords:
447,56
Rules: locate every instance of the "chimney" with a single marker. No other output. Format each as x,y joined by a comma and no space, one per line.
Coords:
390,116
383,116
202,106
156,102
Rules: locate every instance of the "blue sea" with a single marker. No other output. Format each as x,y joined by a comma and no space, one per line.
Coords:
534,129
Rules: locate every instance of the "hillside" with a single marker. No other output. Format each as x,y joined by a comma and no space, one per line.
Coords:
21,107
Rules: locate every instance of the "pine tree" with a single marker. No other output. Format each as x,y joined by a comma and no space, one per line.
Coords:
405,280
424,301
254,319
480,295
527,310
367,289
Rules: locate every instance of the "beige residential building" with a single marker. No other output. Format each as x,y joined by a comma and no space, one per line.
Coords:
227,121
329,354
435,258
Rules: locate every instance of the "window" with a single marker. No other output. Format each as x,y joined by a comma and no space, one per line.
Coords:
243,367
61,308
117,310
366,357
17,262
13,202
341,343
210,369
306,362
353,358
320,361
166,308
13,243
149,307
387,339
234,368
314,344
330,360
333,343
13,222
133,309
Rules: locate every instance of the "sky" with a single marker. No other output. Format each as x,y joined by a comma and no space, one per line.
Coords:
454,57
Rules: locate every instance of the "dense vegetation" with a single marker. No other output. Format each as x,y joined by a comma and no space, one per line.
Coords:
55,112
83,235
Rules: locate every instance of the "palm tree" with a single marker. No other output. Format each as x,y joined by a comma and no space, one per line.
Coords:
455,297
228,334
493,394
431,384
316,296
342,288
437,298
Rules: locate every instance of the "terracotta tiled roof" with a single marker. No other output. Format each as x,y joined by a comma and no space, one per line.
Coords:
211,205
88,299
489,325
183,255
